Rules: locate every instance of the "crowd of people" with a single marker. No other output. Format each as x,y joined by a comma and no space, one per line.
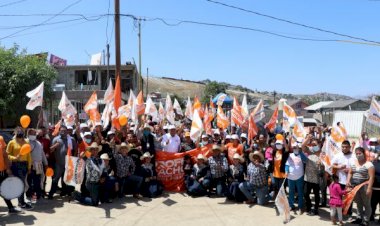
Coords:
120,162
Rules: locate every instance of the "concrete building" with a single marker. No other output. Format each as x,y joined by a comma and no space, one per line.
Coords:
80,81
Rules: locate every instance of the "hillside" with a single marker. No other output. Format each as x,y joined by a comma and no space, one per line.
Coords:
185,88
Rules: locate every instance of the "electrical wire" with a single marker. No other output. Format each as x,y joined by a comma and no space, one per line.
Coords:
108,12
291,22
12,3
89,18
43,22
241,28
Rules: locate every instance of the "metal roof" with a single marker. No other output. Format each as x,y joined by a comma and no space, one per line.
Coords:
318,105
340,103
352,120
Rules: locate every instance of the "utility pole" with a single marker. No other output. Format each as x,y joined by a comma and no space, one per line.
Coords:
147,81
140,72
117,38
108,64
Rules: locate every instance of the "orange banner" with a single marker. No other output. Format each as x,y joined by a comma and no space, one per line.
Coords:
169,167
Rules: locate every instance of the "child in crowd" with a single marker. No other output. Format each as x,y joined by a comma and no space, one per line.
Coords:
336,202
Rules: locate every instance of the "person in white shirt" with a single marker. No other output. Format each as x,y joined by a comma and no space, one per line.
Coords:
171,141
341,163
294,169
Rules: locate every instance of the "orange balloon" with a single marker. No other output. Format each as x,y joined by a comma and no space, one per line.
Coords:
279,137
49,172
25,149
87,154
25,121
123,120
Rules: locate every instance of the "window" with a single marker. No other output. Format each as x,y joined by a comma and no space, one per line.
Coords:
86,77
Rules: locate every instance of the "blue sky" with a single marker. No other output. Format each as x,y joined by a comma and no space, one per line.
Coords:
196,52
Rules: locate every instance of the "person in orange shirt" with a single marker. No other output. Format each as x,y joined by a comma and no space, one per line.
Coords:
234,147
5,171
280,155
21,164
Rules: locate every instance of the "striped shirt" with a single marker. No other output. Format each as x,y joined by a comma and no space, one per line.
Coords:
360,172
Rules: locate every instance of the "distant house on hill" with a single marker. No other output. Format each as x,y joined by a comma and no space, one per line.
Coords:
298,106
325,110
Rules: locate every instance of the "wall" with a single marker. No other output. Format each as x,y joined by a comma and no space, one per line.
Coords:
352,120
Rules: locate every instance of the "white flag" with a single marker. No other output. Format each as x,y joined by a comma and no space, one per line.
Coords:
373,114
109,108
109,94
161,112
177,107
221,99
36,97
96,59
282,203
68,111
170,115
244,107
189,109
150,108
196,126
259,112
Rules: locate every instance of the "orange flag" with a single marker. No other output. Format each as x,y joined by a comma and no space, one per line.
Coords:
349,197
197,104
236,114
207,121
271,125
252,127
56,128
91,108
117,102
140,104
222,120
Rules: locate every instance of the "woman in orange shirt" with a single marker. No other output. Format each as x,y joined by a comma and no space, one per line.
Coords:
233,148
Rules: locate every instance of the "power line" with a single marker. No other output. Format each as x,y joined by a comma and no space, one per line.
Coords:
241,28
291,22
12,3
43,22
90,18
108,12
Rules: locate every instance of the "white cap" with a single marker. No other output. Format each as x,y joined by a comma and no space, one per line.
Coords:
98,124
235,137
373,139
83,125
216,132
228,136
171,127
110,133
279,142
243,135
165,127
70,127
87,134
105,156
204,136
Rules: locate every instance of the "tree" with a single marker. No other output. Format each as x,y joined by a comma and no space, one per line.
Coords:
20,73
212,89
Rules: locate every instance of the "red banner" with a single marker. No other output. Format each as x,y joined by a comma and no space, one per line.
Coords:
169,167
